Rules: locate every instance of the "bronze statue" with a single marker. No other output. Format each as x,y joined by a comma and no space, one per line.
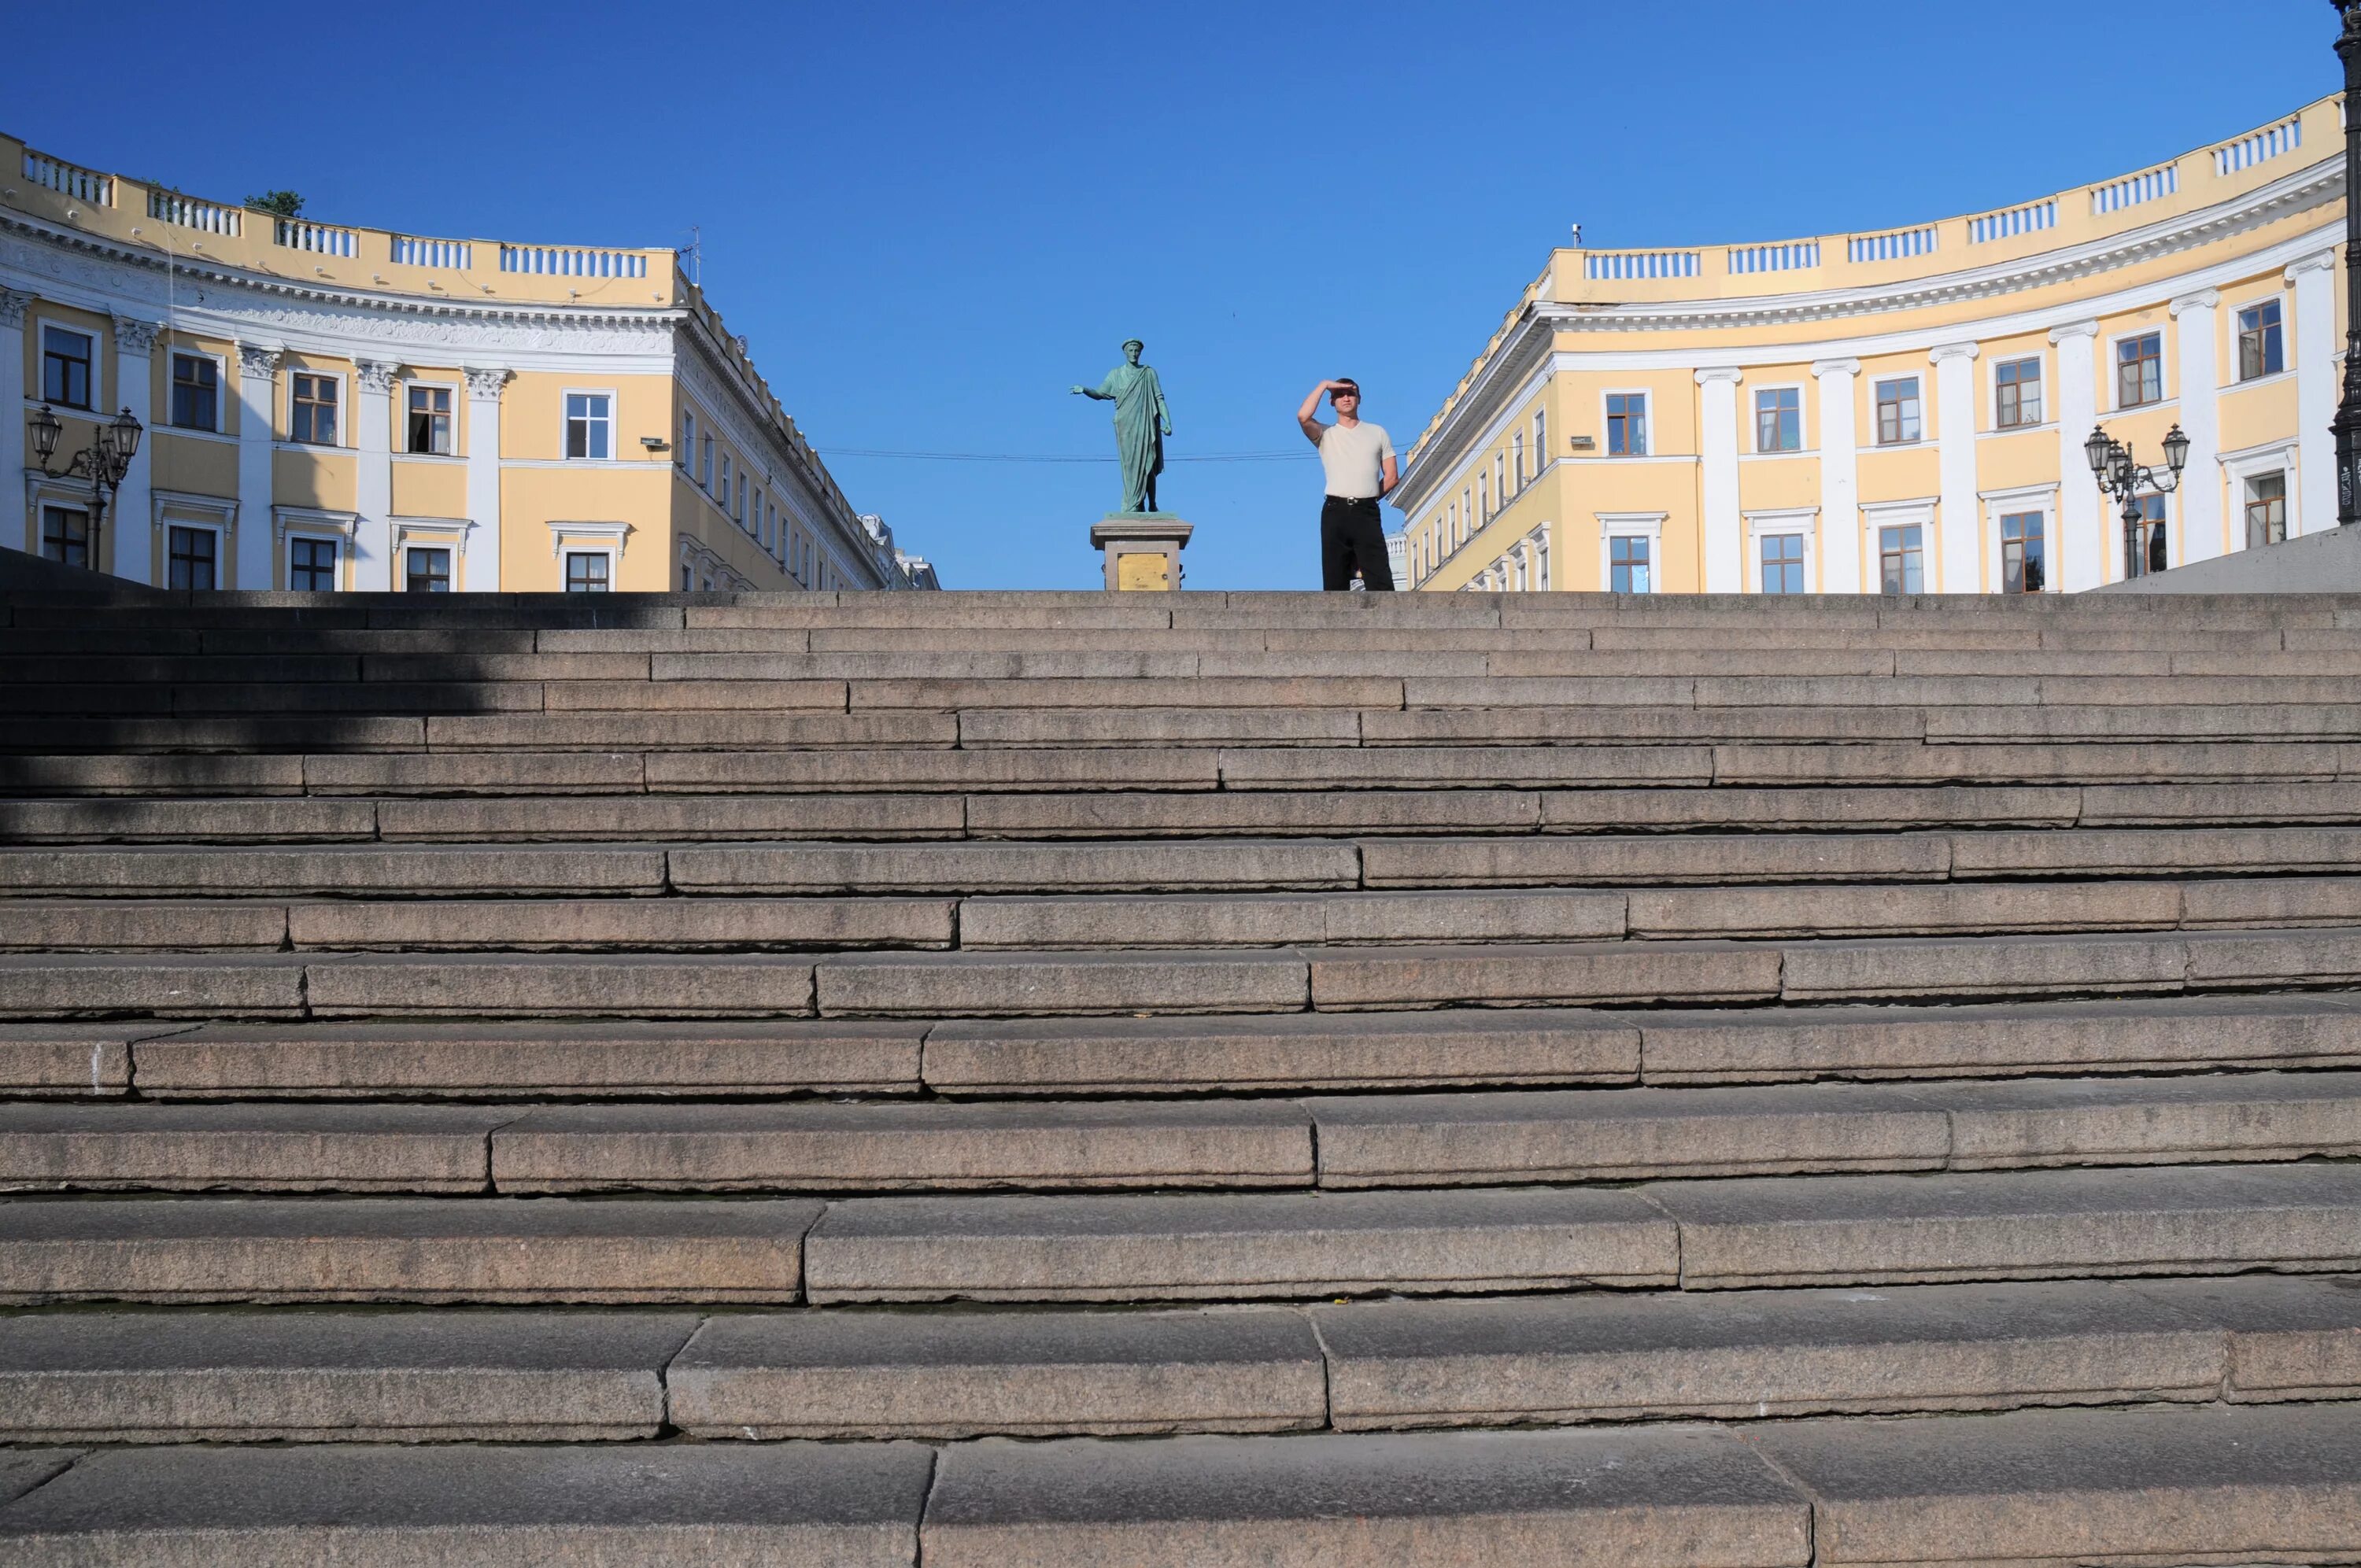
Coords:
1142,420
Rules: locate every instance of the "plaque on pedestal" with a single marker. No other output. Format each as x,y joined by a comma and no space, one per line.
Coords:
1142,550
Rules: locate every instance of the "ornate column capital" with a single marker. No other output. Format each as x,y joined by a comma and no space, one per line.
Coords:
1827,368
375,377
1942,352
1720,375
484,386
259,360
13,304
2323,262
2072,330
2202,299
133,335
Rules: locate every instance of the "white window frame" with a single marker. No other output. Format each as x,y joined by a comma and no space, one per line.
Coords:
2043,499
36,392
457,402
2112,369
165,523
2175,546
688,443
1877,442
2287,342
2237,467
1786,521
1540,441
1991,394
1917,513
1647,419
1803,419
222,388
1648,525
401,562
344,411
613,558
737,509
311,535
565,421
341,528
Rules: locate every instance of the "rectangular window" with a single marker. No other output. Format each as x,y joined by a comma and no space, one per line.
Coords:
741,501
192,558
2152,538
65,367
426,571
2262,342
2139,370
312,416
1899,558
1783,562
312,566
65,535
1627,563
1779,420
585,572
2265,509
725,482
196,393
1483,498
1500,476
1627,425
687,458
704,477
2019,385
590,422
761,523
430,420
1540,441
2024,561
1899,420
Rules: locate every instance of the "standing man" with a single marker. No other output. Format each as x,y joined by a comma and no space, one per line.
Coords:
1359,460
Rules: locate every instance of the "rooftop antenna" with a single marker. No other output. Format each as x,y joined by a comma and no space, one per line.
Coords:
697,255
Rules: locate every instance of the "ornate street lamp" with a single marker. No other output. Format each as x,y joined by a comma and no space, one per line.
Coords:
2348,412
2120,476
103,463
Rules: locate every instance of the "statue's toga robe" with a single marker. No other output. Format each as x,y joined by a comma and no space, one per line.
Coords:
1139,417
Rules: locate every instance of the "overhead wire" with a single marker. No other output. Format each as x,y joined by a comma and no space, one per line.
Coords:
1059,457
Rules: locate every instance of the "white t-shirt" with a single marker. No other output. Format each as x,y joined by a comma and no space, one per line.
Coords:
1354,456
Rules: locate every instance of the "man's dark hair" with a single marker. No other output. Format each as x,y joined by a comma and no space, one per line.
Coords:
1350,386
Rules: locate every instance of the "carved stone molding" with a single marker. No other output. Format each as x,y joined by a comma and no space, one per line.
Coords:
376,375
13,304
2072,330
2325,262
259,360
1943,351
1836,367
484,386
2202,300
1719,373
133,336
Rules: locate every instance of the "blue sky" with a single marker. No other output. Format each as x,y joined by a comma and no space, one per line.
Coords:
931,219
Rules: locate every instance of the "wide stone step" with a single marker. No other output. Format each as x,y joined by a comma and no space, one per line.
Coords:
336,1377
486,1250
733,1506
259,1148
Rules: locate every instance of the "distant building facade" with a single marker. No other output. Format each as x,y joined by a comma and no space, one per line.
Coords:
334,408
1906,411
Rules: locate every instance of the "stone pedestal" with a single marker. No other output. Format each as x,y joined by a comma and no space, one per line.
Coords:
1142,549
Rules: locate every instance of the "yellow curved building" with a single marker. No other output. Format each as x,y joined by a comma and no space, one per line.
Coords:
334,408
1906,411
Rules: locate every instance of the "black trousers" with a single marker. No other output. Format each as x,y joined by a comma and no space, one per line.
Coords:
1353,538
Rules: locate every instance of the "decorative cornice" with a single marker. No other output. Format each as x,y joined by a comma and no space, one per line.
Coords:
2072,330
2202,300
484,385
1824,367
259,360
1715,374
133,336
376,375
13,304
2323,262
1943,351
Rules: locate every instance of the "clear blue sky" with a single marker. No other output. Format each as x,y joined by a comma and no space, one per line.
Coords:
930,219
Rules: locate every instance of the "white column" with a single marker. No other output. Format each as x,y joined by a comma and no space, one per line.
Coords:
1840,478
1725,542
11,417
130,520
1962,570
2314,279
373,488
2081,535
257,382
2200,420
483,551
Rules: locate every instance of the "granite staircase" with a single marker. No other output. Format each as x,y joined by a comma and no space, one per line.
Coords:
1258,1079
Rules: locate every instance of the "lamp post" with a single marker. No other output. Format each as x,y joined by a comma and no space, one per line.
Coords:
103,463
2120,476
2347,427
